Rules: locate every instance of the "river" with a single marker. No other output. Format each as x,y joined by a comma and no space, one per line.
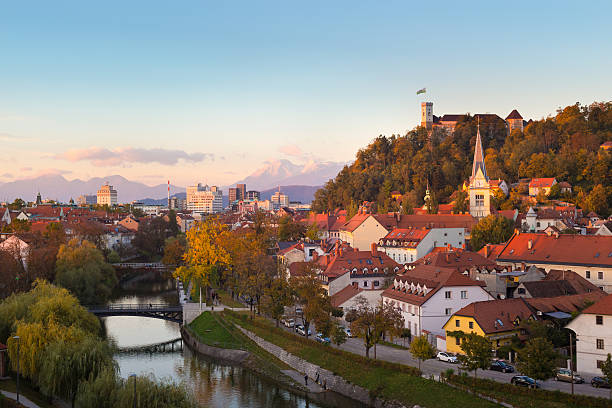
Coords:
213,384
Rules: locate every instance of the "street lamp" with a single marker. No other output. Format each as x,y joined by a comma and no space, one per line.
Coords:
16,338
134,377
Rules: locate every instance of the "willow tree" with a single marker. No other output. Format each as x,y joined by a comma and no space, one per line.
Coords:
205,253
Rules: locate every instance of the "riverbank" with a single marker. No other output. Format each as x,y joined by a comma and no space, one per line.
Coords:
383,380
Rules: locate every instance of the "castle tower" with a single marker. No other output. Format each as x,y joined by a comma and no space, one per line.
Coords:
480,191
514,121
427,115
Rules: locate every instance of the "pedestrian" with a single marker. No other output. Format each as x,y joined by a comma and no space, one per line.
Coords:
324,384
306,379
317,378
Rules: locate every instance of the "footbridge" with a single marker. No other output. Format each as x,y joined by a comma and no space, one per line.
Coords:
156,311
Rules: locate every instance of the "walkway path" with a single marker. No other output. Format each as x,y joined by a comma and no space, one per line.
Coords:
22,400
299,378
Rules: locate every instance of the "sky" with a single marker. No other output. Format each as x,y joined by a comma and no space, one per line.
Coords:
208,91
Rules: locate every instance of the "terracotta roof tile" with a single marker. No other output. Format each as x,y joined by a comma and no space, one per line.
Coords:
602,307
514,115
494,316
345,294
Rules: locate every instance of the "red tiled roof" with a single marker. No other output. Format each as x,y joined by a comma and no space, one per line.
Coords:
567,304
500,315
491,251
603,307
458,260
514,115
437,221
335,265
345,294
542,182
577,282
425,276
564,249
352,224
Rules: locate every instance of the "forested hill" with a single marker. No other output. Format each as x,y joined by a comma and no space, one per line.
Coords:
566,146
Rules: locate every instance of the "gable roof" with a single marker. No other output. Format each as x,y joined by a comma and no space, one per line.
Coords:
494,316
567,304
345,294
542,182
562,249
514,115
602,307
578,283
418,285
551,288
458,260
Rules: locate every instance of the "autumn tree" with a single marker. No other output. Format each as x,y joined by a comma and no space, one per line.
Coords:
422,349
290,230
537,359
372,322
276,296
174,250
312,232
312,296
476,352
462,203
494,229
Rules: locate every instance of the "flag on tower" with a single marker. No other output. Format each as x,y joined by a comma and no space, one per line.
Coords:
422,90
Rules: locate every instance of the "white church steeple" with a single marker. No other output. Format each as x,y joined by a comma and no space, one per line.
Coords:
480,191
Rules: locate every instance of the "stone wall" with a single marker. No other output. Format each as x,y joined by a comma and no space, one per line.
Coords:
229,355
334,382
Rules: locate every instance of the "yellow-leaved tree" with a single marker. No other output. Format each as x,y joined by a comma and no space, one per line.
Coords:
205,252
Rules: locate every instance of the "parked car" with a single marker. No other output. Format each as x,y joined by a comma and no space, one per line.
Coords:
564,374
325,340
524,381
288,322
299,311
501,366
600,382
448,357
347,330
301,330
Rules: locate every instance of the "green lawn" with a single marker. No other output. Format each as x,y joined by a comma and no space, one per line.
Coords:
227,300
25,389
210,330
384,379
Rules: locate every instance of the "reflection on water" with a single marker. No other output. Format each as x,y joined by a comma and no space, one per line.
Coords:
213,384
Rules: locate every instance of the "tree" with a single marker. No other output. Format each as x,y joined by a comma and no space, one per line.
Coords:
174,250
371,323
311,295
66,364
606,370
462,203
17,205
477,352
289,230
81,268
537,359
113,257
422,349
597,201
173,227
276,296
55,234
312,233
151,236
493,229
338,334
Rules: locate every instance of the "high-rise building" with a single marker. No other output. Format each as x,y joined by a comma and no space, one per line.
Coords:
234,195
480,190
204,199
252,195
279,200
87,200
107,195
176,203
243,190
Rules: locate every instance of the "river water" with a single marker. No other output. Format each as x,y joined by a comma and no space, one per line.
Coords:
213,384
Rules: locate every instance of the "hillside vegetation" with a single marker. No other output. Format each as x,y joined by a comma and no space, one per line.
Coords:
565,146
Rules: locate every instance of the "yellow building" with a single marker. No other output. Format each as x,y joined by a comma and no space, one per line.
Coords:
497,320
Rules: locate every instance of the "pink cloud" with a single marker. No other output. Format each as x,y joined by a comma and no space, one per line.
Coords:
102,157
291,150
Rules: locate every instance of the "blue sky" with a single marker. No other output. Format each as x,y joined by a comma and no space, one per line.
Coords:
208,91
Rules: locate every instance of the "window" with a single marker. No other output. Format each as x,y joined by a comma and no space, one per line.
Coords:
588,274
448,311
464,294
600,344
447,294
599,275
457,341
376,283
471,325
521,291
457,323
365,284
599,320
599,363
479,200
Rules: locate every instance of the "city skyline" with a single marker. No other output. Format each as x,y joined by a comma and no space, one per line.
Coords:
209,92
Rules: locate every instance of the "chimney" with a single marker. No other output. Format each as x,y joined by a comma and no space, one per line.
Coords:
486,251
447,257
523,267
463,246
509,268
373,248
315,256
530,244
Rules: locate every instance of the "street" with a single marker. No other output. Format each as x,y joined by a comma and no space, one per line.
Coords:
435,367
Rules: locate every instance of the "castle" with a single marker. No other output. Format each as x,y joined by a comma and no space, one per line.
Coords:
514,121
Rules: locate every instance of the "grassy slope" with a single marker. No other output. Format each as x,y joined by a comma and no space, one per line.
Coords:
386,382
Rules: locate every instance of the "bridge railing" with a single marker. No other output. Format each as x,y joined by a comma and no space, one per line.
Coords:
135,307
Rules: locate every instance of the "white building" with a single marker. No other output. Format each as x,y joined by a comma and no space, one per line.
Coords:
479,188
204,199
406,245
279,200
87,200
593,328
428,296
107,195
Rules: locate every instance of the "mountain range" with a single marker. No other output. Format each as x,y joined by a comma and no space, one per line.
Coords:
299,181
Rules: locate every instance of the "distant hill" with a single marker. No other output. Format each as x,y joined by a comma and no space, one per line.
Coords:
285,173
56,187
304,194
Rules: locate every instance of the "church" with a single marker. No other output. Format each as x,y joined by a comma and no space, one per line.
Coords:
479,187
